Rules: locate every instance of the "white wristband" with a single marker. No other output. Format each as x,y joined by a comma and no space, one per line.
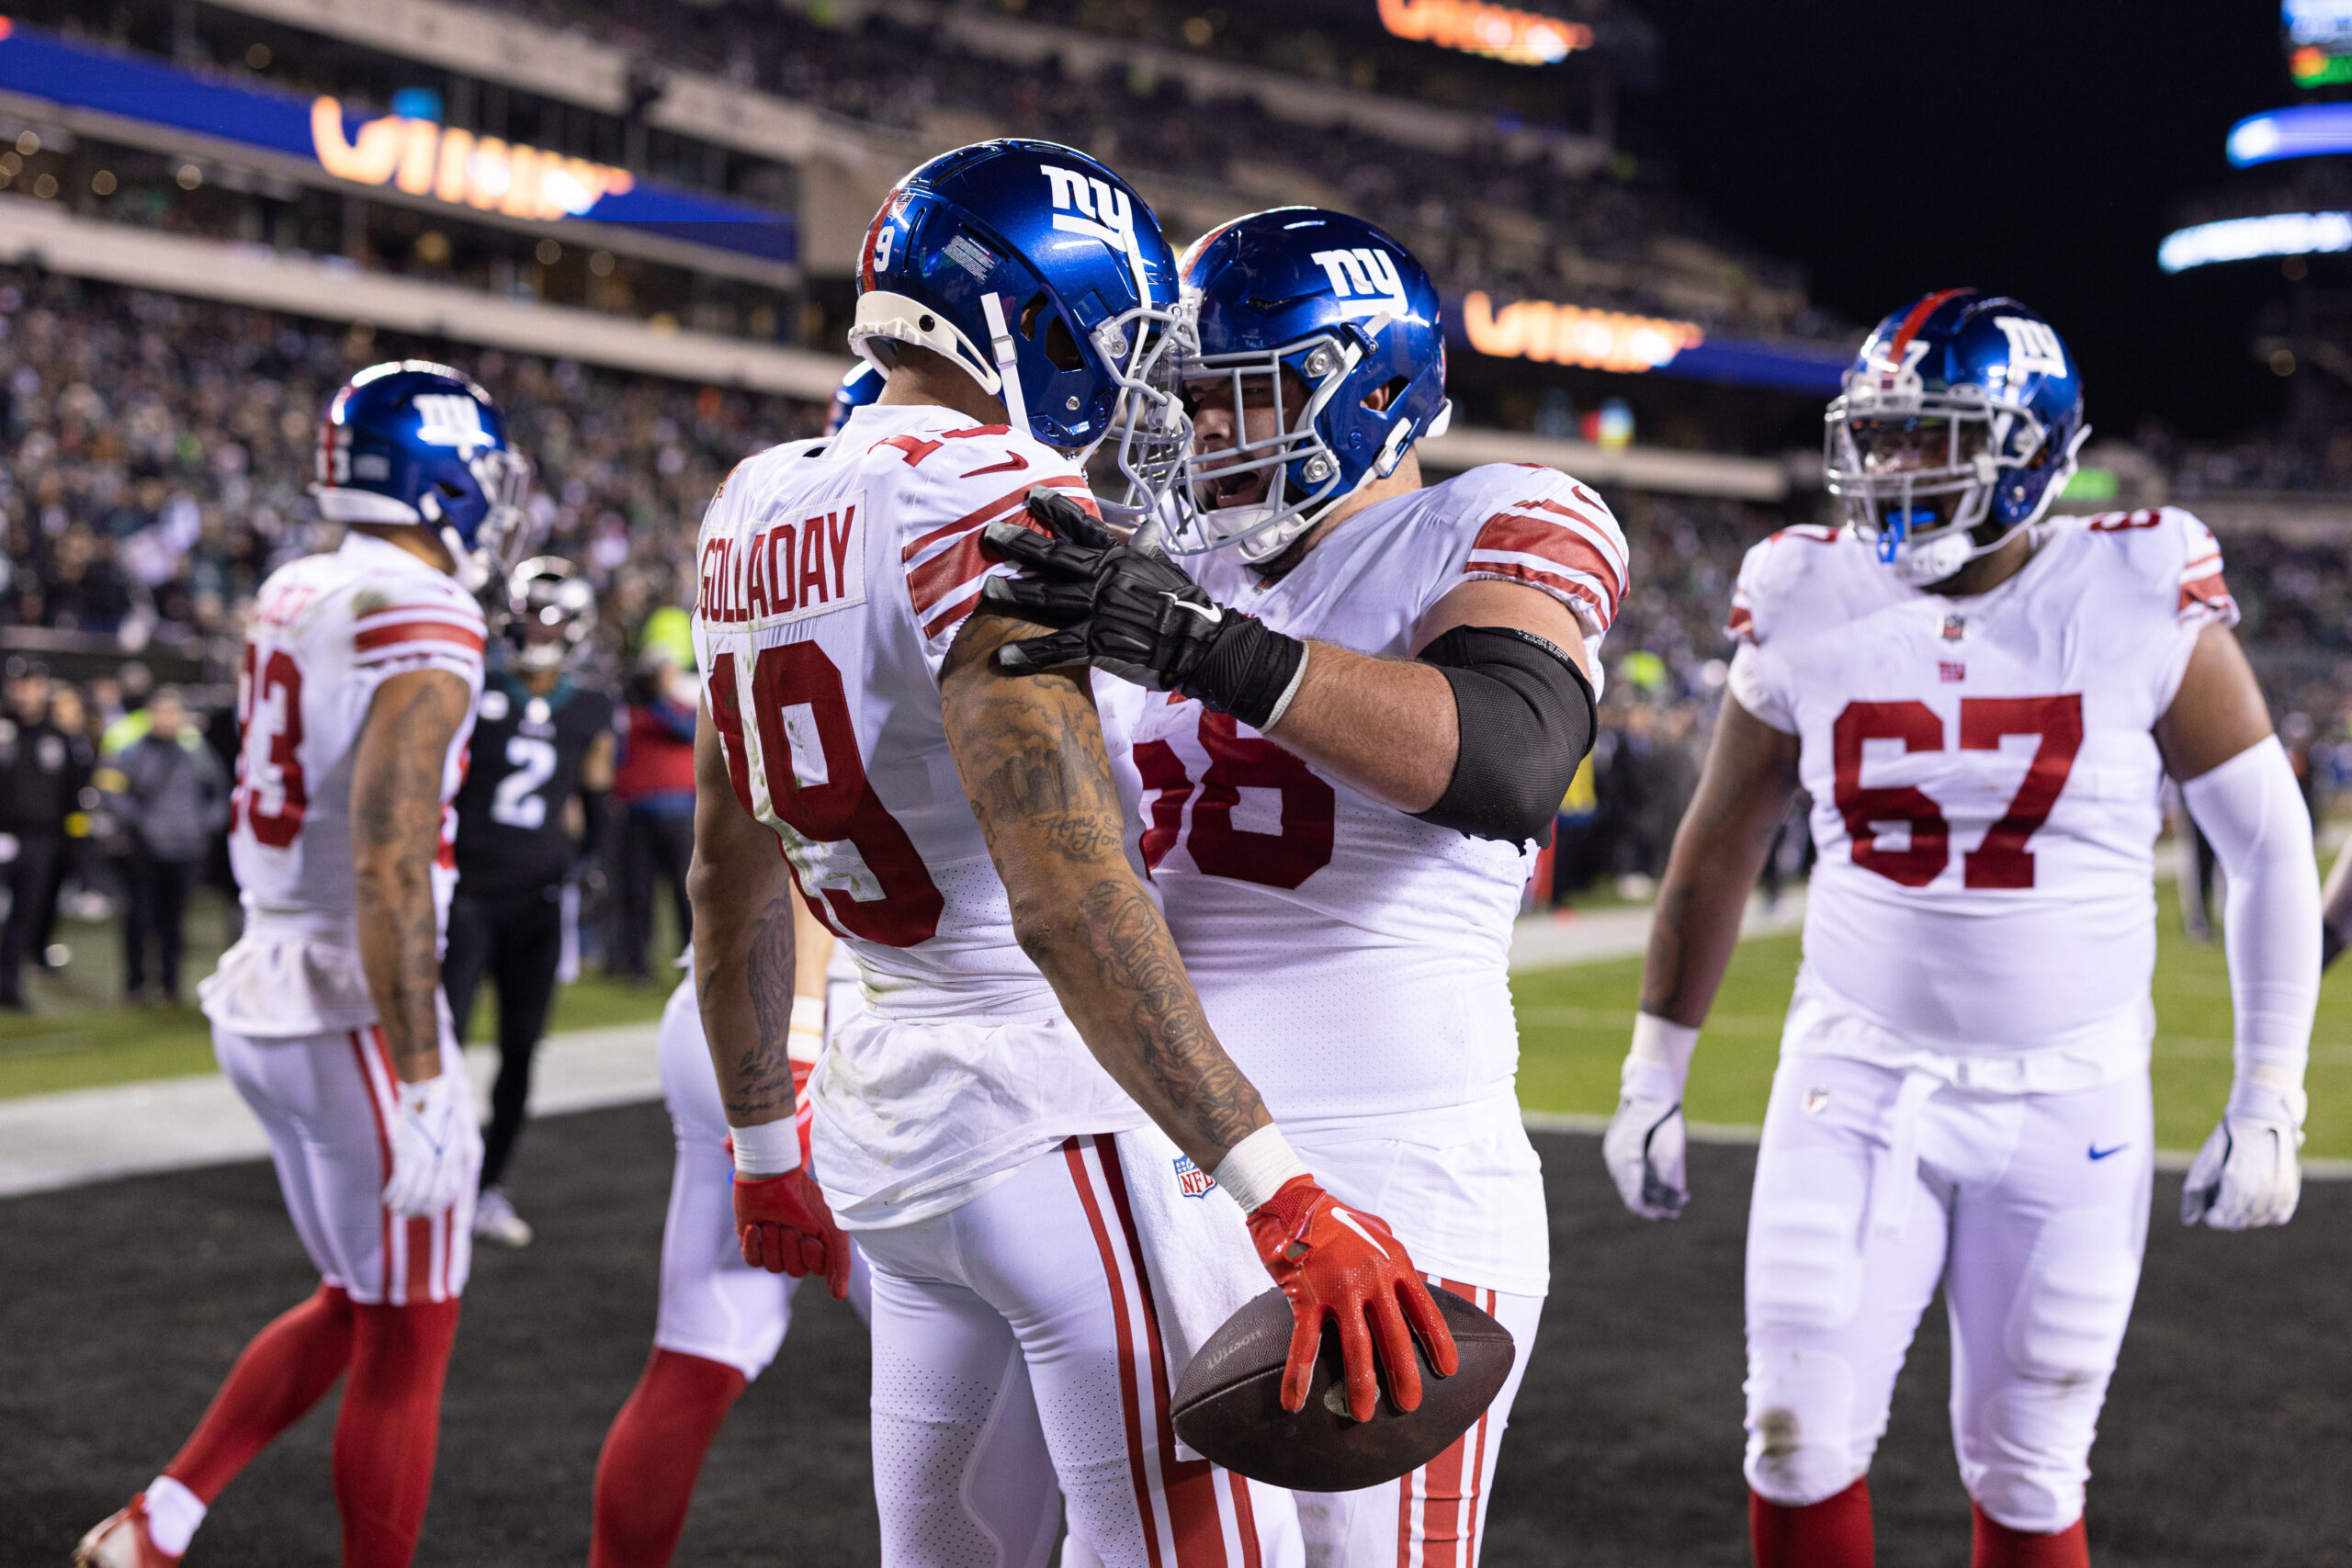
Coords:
1298,679
769,1149
805,1041
1255,1169
1659,1061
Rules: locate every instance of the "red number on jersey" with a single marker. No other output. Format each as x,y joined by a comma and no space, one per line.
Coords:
1915,724
1220,849
272,794
2002,860
843,809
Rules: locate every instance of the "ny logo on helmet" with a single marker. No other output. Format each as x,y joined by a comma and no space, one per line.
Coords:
449,419
2034,349
1365,281
1083,205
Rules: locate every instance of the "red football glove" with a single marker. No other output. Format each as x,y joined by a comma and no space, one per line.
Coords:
1336,1261
785,1228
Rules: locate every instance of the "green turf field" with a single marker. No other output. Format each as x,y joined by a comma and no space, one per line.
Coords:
1574,1024
1573,1027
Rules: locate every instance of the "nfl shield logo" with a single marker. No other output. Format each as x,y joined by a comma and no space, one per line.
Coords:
1191,1179
1955,627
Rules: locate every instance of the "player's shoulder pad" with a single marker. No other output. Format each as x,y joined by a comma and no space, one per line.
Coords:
1525,523
1777,571
949,472
2166,549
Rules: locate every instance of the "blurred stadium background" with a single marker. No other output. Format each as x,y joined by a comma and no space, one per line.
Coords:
634,220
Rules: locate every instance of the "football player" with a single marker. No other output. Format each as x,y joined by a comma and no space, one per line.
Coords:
1981,703
1014,1129
1378,692
721,1319
355,699
542,738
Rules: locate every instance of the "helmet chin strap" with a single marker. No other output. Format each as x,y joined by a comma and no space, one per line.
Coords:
1007,367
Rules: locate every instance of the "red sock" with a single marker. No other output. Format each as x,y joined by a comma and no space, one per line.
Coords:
1832,1533
281,1374
1998,1546
389,1426
646,1475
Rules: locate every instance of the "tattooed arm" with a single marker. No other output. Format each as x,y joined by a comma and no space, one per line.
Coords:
395,833
743,903
1029,750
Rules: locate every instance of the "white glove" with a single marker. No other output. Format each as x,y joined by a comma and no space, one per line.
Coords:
434,1137
2247,1175
1646,1142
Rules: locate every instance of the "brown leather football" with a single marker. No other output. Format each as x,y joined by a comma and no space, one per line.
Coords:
1228,1403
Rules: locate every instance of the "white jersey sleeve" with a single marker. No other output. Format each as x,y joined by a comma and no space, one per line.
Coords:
1548,530
973,476
1765,573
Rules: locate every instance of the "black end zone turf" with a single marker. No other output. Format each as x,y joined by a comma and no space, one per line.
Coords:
2227,1437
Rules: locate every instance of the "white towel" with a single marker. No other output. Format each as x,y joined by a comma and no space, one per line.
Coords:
1196,1247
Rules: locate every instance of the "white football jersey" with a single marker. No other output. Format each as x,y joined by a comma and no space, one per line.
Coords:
1983,775
833,576
328,629
1352,958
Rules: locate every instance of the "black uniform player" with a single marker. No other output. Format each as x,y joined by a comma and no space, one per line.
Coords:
541,737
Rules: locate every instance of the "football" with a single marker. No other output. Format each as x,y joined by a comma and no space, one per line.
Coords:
1228,1403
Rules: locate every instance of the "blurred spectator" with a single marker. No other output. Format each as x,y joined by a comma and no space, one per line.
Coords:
43,772
653,784
170,798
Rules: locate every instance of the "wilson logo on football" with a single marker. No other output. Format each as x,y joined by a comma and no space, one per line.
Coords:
1365,281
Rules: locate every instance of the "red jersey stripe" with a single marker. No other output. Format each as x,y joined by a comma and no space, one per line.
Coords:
1014,497
1520,534
376,638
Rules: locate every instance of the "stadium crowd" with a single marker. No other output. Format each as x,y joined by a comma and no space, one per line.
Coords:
157,450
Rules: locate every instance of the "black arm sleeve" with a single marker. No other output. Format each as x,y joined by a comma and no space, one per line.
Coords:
1526,719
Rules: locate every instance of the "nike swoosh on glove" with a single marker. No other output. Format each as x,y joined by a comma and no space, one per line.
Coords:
432,1138
2247,1175
1134,612
784,1226
1337,1262
1646,1149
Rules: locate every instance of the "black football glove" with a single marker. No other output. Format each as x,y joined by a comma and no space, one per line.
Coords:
1135,614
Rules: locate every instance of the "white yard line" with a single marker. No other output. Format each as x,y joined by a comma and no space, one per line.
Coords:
91,1135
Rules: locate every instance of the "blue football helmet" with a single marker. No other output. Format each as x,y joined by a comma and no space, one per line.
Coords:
1045,278
1348,313
1958,426
412,442
859,388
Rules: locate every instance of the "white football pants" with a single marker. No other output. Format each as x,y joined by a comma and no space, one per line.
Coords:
1018,1360
714,1304
1873,1187
327,1102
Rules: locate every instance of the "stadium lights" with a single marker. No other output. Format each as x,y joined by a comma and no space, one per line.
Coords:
1570,335
423,157
2244,238
2307,130
1500,33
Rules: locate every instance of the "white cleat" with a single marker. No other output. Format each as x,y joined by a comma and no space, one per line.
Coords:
495,1220
121,1541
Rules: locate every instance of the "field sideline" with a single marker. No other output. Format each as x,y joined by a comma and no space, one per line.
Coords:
1573,1022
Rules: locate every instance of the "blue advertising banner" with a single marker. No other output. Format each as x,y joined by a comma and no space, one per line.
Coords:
419,156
